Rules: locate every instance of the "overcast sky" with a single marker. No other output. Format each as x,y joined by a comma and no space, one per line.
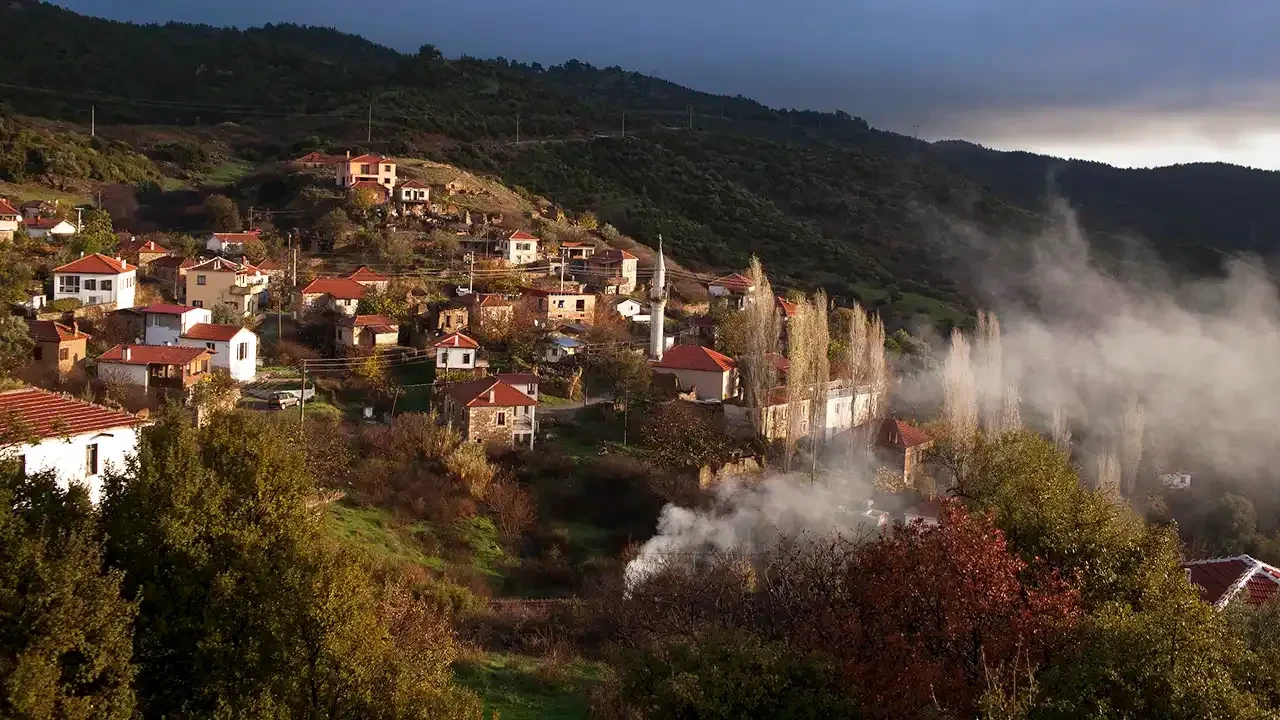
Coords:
1130,82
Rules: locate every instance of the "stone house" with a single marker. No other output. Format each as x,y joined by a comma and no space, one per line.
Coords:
552,308
368,331
612,271
488,410
171,271
900,445
58,348
734,290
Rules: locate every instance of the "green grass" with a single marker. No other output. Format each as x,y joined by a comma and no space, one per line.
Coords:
513,688
913,304
225,173
24,192
377,533
553,401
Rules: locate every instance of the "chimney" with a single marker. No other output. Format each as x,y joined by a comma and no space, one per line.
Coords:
125,353
348,154
491,394
75,326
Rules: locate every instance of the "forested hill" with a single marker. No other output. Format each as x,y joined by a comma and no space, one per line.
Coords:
822,197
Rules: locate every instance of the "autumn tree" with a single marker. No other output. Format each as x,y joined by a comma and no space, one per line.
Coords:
334,225
221,214
680,435
362,200
15,345
96,236
16,275
67,642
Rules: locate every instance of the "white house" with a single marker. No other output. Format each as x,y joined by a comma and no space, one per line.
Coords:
526,383
234,348
50,229
456,351
95,280
735,289
414,192
713,375
164,323
230,243
561,348
629,309
848,407
9,219
520,248
337,294
77,440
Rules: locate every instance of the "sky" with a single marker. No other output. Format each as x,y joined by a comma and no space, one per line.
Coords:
1135,83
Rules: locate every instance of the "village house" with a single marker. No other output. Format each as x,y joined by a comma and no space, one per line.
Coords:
34,299
901,446
414,193
574,250
315,159
96,280
369,278
224,283
488,410
520,248
230,243
1224,579
155,367
142,252
381,193
49,229
714,376
234,348
450,315
770,420
341,295
9,219
368,331
58,348
734,290
76,440
526,383
630,309
36,209
552,308
488,310
561,347
374,169
171,272
848,406
272,268
457,352
612,271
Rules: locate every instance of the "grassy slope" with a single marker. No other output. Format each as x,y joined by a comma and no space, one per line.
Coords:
517,687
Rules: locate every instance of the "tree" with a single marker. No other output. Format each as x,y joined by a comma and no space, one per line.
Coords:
394,248
587,220
224,315
626,372
380,302
221,214
15,345
67,642
681,435
255,250
363,200
334,225
244,607
96,236
445,243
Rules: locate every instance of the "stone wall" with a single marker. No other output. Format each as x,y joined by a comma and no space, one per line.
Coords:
482,425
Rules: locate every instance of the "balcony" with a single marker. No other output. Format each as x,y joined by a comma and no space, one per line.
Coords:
249,288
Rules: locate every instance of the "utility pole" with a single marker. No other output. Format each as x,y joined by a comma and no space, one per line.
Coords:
368,133
517,128
302,400
690,109
562,264
471,274
79,219
624,124
93,121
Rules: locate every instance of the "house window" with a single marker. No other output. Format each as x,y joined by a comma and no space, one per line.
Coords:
242,351
90,284
64,353
502,419
69,284
106,284
91,459
560,304
202,279
582,305
38,353
386,168
197,303
209,346
364,170
466,358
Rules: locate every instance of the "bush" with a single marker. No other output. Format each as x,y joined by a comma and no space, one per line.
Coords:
65,305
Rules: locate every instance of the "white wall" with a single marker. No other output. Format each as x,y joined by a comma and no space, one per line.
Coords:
453,358
67,457
121,292
161,329
120,372
226,356
710,385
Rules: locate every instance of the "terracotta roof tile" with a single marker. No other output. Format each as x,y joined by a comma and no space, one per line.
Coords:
211,331
166,309
364,274
521,235
369,158
340,288
7,209
415,184
613,255
734,282
902,435
695,357
456,340
153,355
1221,580
475,393
45,223
368,321
787,307
45,415
96,264
52,331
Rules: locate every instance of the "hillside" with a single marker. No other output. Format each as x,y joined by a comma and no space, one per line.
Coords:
823,198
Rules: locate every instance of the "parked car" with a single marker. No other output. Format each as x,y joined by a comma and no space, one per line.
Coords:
290,398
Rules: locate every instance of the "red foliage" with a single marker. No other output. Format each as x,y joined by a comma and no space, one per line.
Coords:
937,608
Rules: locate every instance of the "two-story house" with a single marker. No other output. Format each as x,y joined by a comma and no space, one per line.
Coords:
219,282
9,219
234,348
612,271
520,248
78,441
488,410
96,279
414,195
164,323
488,310
574,250
230,243
171,271
370,278
456,351
734,290
370,168
552,308
142,252
58,348
340,295
155,367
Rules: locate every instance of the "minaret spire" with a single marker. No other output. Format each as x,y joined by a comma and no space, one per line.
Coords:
658,306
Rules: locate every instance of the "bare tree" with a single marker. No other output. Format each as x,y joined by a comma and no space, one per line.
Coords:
857,348
1132,428
759,373
1061,429
1011,418
989,373
1109,474
960,400
878,367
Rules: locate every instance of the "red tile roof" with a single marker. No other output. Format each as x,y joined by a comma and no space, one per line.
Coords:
734,282
368,321
613,255
52,331
96,264
340,288
1221,580
456,340
318,157
153,355
45,223
166,309
364,274
270,264
42,414
787,307
521,235
901,435
149,246
695,357
475,393
223,265
416,184
491,300
518,378
368,158
7,209
210,331
576,244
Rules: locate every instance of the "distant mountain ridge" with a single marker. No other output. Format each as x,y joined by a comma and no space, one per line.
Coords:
822,197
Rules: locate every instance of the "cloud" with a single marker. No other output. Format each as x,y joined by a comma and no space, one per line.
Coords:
993,71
